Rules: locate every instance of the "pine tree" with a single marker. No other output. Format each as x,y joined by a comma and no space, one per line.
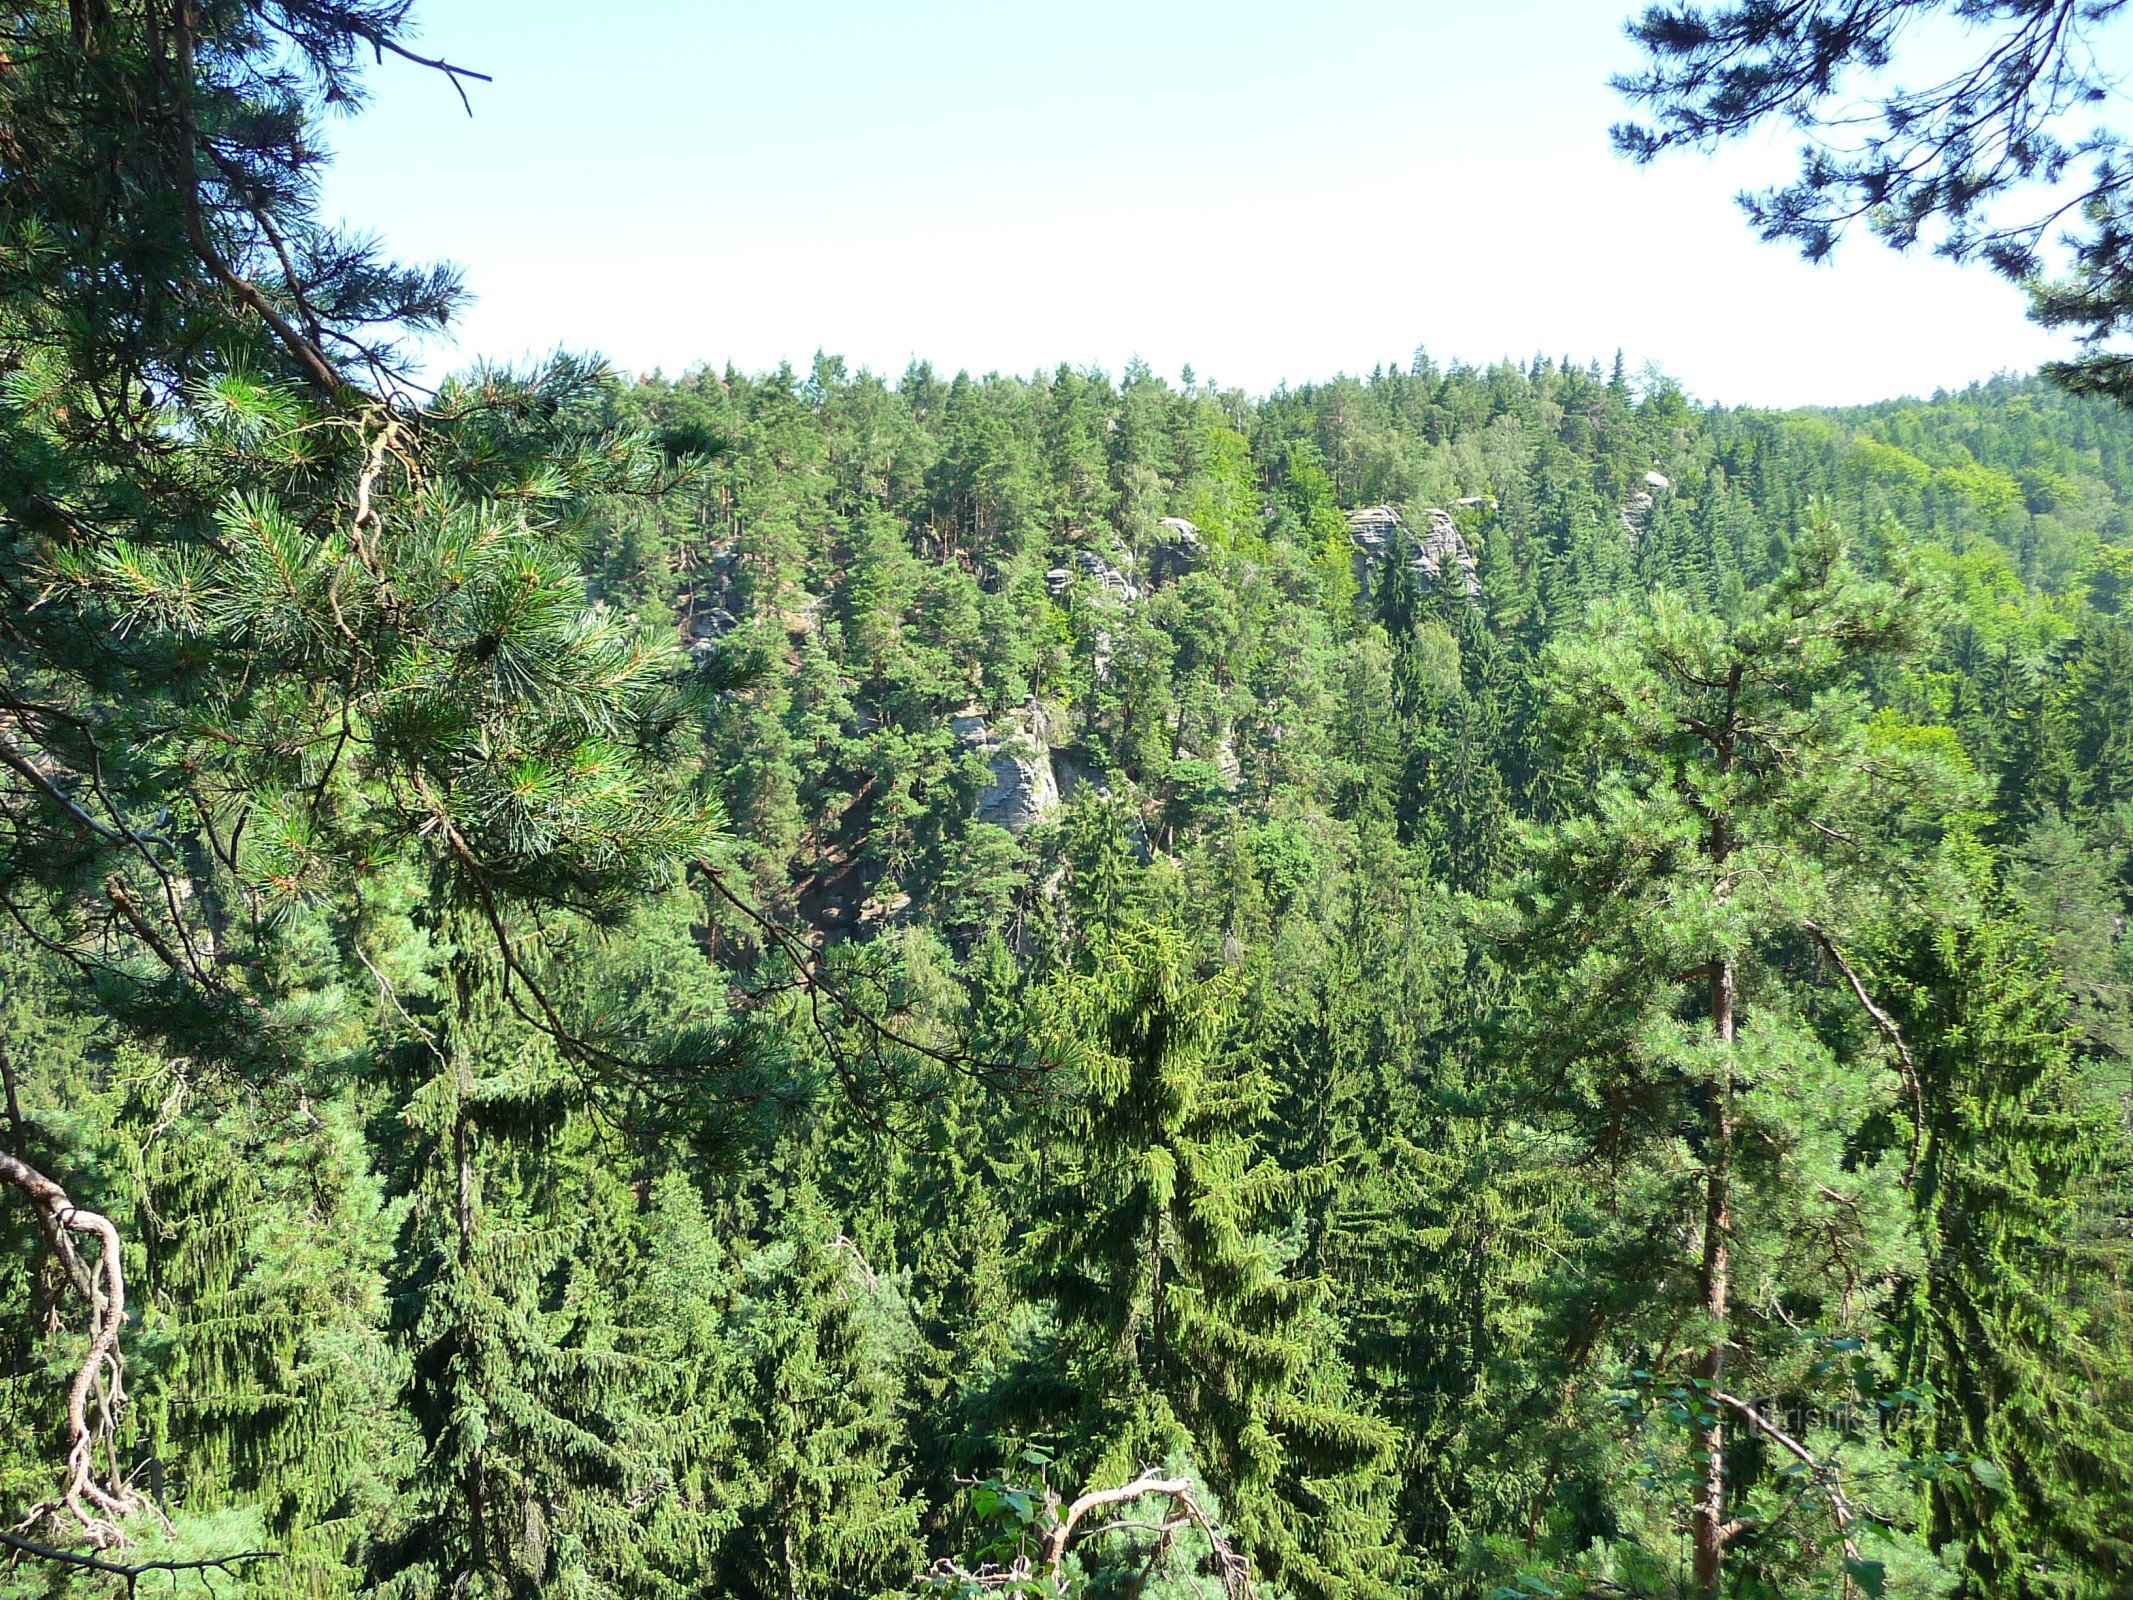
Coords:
278,635
1742,816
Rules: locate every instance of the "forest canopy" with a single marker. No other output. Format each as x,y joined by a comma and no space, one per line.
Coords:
1470,980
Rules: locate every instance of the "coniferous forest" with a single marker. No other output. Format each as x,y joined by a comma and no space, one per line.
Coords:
1473,981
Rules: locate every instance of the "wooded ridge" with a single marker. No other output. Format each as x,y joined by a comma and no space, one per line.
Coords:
1465,981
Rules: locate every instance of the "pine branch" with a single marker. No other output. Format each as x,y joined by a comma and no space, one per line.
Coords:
810,980
1906,1063
308,355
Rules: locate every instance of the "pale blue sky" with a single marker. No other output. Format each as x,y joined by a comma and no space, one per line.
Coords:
1269,192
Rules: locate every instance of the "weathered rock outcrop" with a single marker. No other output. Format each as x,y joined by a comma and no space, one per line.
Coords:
1227,766
1443,555
704,630
1637,509
1179,549
1023,791
1113,581
1439,552
1075,773
1109,577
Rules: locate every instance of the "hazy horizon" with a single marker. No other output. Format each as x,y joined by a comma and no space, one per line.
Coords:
1269,198
1640,376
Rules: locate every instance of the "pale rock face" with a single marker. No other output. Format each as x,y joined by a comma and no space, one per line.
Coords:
1444,556
1636,512
1439,552
1023,791
1373,532
705,629
1109,578
1637,509
874,909
1375,527
1226,763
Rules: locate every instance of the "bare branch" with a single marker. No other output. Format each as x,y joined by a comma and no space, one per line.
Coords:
1906,1063
131,1571
1826,1471
16,761
384,47
97,1505
1236,1570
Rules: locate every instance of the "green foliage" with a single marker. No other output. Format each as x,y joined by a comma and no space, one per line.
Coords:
1177,1332
1743,812
2012,1323
655,1025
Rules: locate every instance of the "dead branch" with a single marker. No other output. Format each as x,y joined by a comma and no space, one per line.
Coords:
1235,1569
383,44
1825,1471
18,762
1906,1063
131,1571
98,1504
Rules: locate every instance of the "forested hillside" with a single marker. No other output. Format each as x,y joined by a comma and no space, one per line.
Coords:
1469,982
1255,868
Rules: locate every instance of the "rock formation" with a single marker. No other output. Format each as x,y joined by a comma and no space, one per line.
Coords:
1442,551
705,629
1439,553
1110,579
1637,509
1023,791
1178,550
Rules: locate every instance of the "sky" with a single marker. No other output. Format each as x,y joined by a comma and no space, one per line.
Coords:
1270,193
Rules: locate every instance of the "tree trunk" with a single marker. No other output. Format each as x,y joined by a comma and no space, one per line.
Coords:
474,1476
1708,1514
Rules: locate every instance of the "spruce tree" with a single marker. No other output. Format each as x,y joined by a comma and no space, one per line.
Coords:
1178,1332
2011,1324
528,1466
817,1436
267,1380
